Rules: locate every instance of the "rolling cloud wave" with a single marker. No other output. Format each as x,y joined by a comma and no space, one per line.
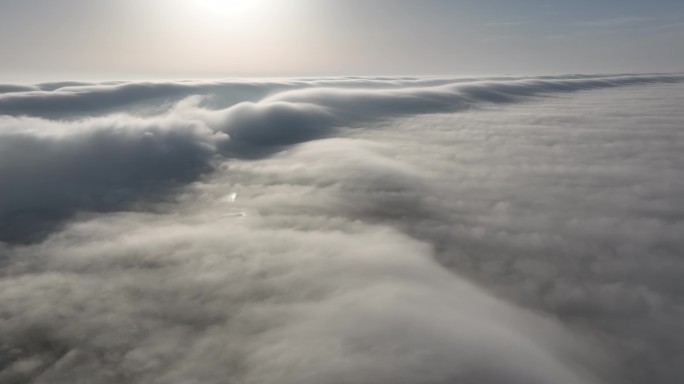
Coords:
104,162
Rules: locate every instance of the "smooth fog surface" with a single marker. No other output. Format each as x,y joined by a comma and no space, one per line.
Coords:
509,230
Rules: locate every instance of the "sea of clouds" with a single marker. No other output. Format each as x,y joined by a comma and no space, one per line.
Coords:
501,230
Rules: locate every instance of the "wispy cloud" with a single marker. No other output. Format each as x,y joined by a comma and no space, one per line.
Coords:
506,24
614,22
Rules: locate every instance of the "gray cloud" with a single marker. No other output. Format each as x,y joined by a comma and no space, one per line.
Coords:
51,170
73,100
345,231
11,88
200,294
110,161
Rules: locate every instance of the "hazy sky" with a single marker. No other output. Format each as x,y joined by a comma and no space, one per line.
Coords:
96,39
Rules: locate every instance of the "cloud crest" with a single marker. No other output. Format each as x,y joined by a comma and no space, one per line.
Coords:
104,163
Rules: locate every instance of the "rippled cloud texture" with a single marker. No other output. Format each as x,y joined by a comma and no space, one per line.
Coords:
343,230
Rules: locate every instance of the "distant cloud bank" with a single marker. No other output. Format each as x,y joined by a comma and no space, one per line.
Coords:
343,230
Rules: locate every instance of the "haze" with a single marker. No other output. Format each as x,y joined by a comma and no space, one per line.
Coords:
82,39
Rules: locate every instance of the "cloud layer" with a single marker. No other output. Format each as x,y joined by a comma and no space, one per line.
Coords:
111,144
360,230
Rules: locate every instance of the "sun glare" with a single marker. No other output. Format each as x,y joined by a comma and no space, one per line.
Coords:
236,13
247,36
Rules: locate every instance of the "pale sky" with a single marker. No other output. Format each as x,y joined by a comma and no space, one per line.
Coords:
134,39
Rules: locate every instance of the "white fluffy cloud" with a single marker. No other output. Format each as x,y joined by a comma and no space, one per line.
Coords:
385,230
